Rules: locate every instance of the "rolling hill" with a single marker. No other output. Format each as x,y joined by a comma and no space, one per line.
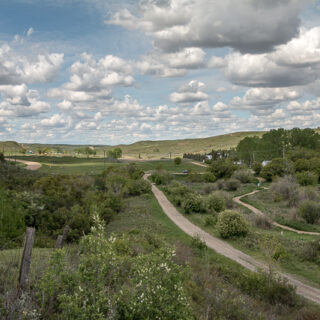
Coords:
148,149
10,147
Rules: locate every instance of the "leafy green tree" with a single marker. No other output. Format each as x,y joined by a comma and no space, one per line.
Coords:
222,168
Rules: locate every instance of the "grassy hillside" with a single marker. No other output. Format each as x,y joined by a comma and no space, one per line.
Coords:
161,149
10,147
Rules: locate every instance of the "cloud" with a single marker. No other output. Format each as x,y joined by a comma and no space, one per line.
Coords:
263,100
16,69
176,24
19,101
30,31
171,64
192,92
291,64
56,121
304,108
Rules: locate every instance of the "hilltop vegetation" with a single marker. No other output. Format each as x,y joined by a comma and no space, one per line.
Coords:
11,147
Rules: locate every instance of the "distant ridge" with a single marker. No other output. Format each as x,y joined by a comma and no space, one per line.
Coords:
10,147
156,149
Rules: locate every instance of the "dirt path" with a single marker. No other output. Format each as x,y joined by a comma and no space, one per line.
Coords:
199,164
260,213
31,165
224,248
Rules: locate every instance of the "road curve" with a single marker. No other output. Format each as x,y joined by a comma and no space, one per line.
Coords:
224,248
260,213
31,165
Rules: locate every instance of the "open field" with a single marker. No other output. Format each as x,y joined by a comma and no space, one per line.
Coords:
71,165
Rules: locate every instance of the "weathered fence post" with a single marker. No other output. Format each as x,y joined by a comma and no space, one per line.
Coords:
26,258
62,238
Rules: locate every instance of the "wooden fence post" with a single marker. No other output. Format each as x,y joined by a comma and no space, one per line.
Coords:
62,238
26,258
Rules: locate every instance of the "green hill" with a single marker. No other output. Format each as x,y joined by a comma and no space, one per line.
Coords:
159,149
10,147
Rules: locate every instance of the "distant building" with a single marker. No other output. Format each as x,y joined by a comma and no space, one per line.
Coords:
29,152
265,162
209,156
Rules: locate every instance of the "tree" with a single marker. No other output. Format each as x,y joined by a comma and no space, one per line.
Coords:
177,160
117,153
2,157
232,224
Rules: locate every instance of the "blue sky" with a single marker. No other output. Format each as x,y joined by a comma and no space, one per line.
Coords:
109,72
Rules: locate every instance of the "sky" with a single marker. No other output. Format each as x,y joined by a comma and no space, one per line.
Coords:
120,71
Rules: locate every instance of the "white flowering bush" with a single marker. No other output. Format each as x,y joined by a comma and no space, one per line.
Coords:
112,281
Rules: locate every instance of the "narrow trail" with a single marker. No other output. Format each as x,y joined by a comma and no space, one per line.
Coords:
224,248
31,165
199,164
260,213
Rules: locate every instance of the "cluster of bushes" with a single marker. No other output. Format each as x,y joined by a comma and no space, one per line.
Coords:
49,203
161,177
304,199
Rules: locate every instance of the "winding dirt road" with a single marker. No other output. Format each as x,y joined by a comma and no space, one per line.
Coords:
260,213
31,165
224,248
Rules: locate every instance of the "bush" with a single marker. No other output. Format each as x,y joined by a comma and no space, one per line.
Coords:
311,251
285,189
257,167
209,177
243,175
227,198
198,243
110,280
307,178
262,222
177,160
178,192
271,288
308,193
232,184
208,188
216,203
232,224
161,177
310,211
194,204
138,187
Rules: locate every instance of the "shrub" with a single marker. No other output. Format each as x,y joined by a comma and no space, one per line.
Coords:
262,222
194,204
109,281
216,203
308,193
243,175
307,178
178,192
177,160
208,188
227,198
311,251
271,288
198,243
310,211
257,167
138,187
232,224
161,177
232,184
287,188
209,177
210,221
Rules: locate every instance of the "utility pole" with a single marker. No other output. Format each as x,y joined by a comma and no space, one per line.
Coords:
104,159
170,155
